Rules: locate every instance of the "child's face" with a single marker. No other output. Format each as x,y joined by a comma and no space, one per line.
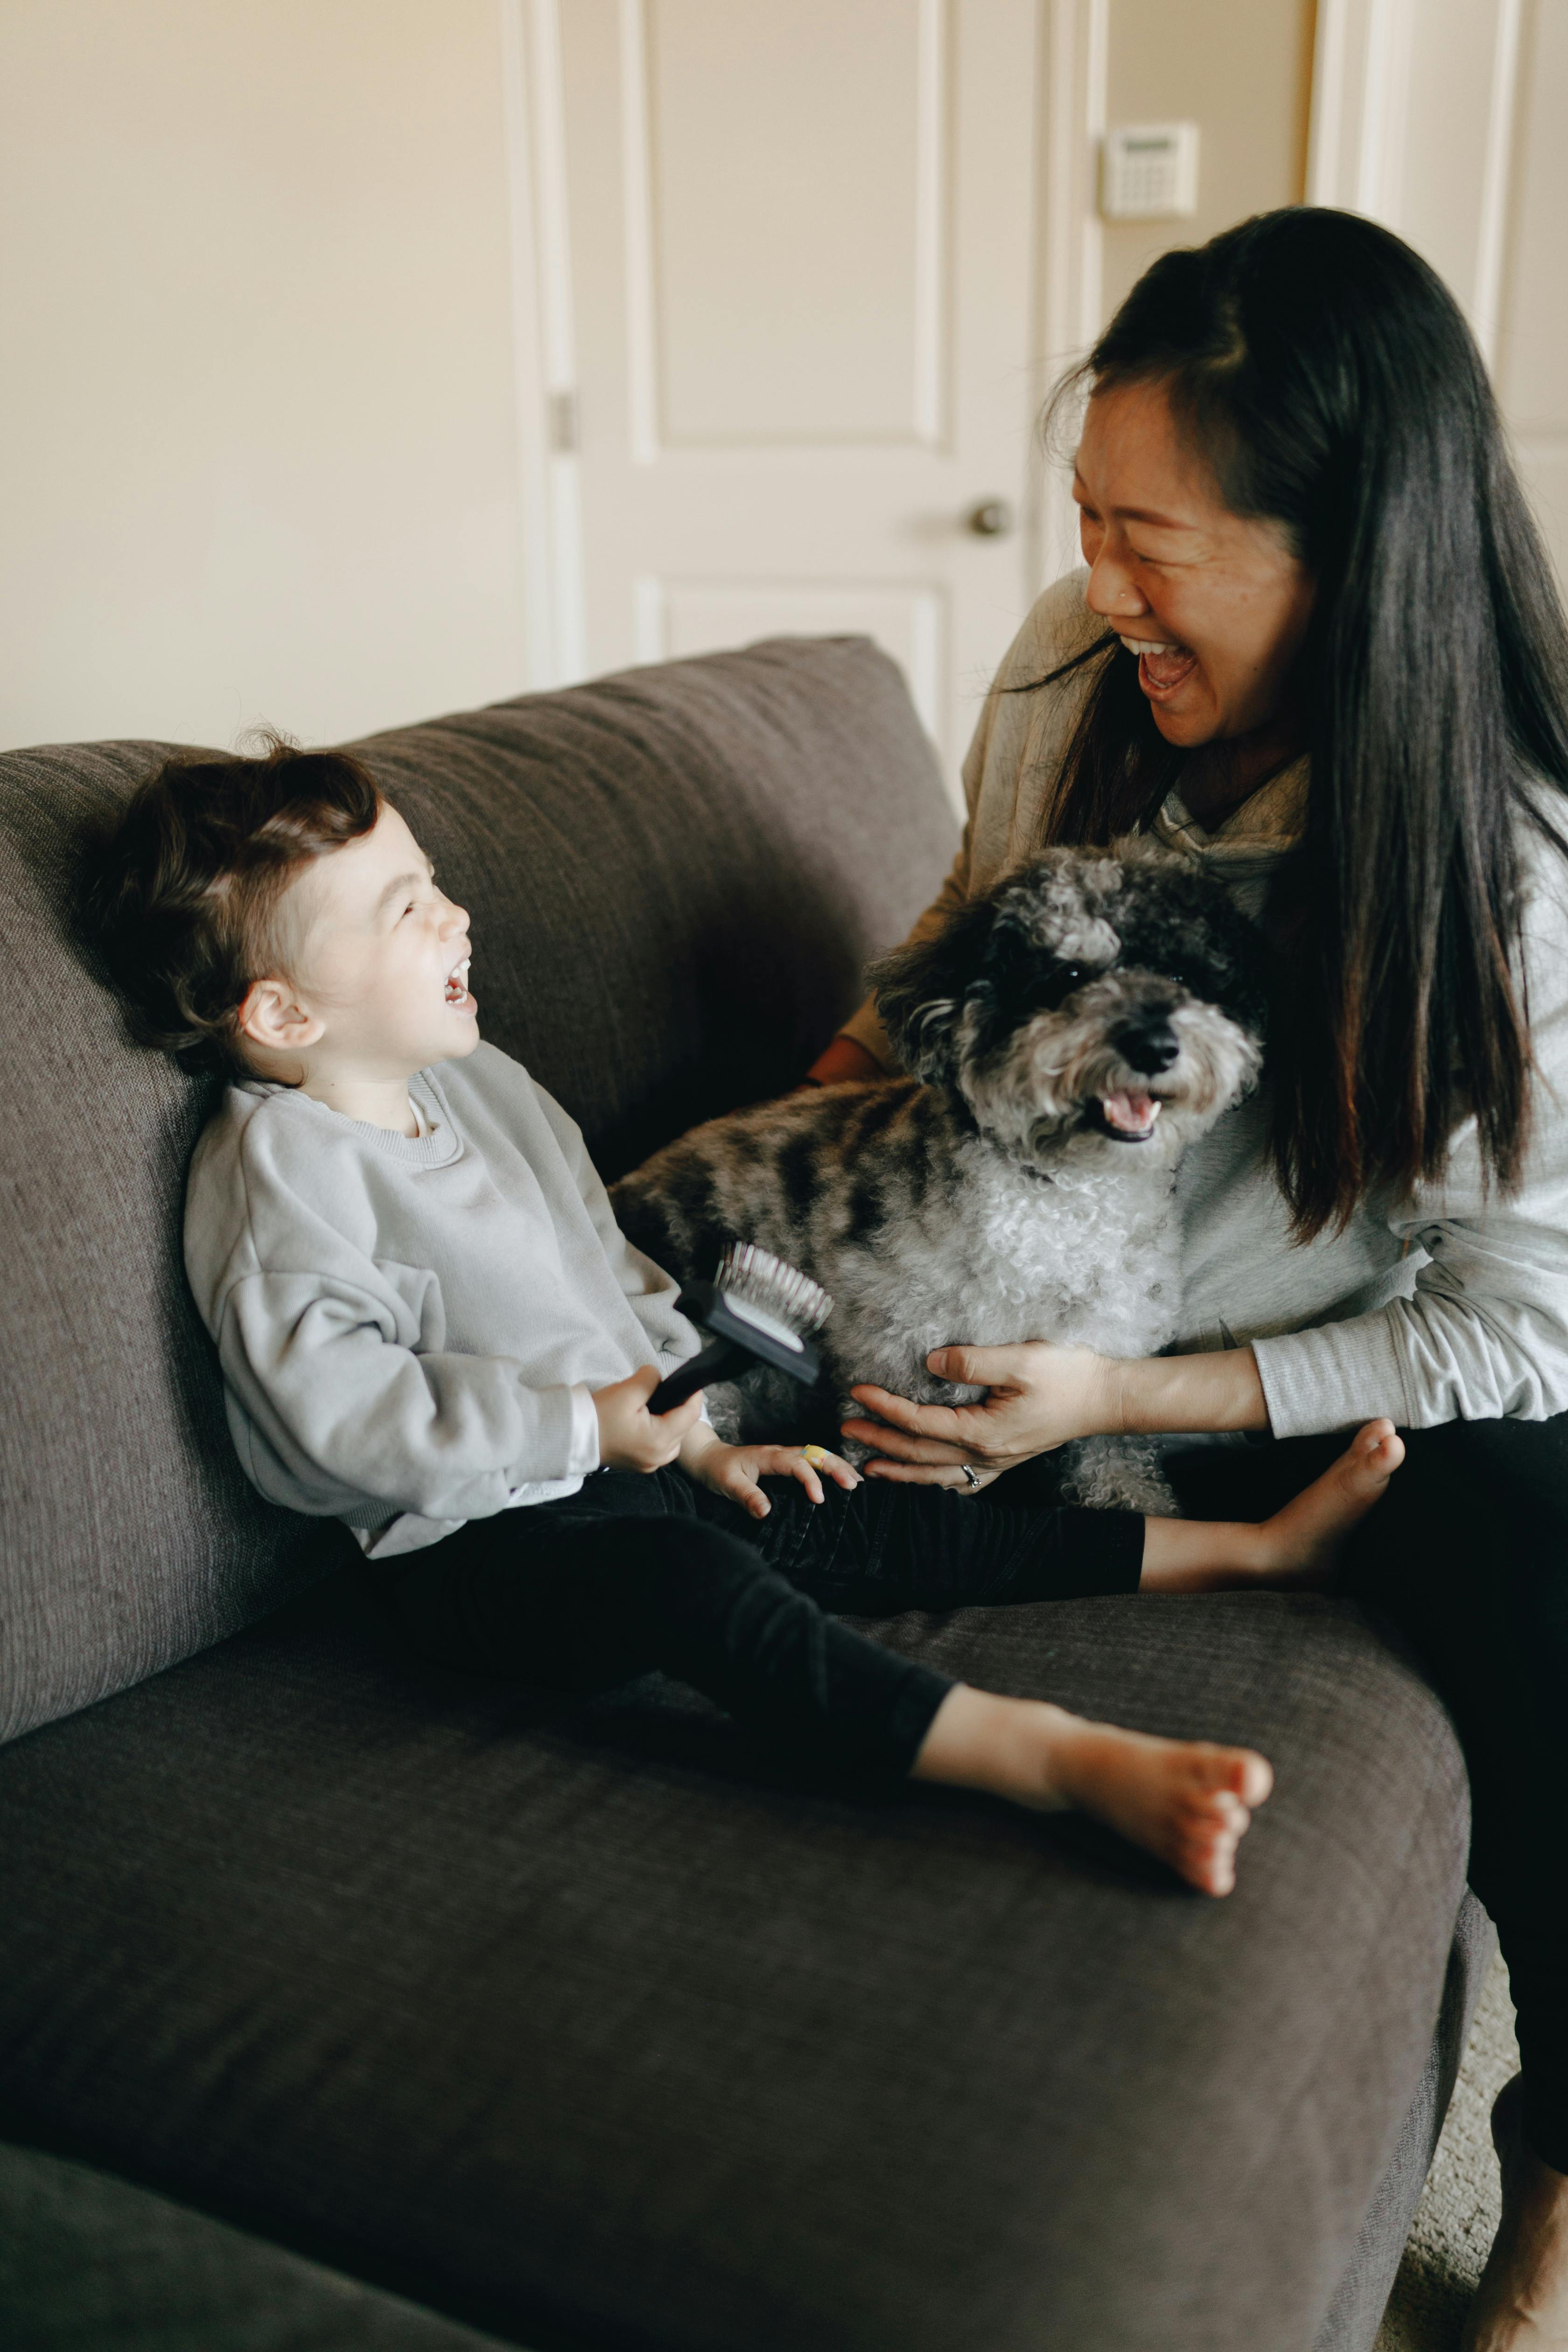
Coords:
380,970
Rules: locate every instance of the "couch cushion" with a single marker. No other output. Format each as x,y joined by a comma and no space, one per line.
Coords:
674,877
423,1980
89,2261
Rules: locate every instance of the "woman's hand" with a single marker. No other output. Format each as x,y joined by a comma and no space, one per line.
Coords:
1043,1397
735,1470
1040,1398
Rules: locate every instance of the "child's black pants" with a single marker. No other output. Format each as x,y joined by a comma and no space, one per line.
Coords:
638,1572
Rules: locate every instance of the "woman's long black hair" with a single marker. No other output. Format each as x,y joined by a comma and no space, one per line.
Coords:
1327,376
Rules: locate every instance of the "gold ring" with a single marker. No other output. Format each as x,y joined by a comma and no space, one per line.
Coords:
815,1454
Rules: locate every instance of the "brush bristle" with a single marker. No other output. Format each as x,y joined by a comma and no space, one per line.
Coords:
766,1282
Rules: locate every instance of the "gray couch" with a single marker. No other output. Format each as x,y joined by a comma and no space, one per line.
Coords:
345,2004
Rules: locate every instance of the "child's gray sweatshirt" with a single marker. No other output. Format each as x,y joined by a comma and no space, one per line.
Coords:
410,1330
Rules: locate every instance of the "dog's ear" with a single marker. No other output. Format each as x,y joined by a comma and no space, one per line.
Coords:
920,990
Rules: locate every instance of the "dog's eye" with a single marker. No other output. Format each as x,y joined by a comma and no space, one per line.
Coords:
1054,987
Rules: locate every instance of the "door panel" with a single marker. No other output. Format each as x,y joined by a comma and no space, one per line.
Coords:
802,246
772,132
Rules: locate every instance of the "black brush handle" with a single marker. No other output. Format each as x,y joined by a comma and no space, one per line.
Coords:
720,1360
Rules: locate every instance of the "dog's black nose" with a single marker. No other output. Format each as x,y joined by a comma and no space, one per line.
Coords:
1146,1044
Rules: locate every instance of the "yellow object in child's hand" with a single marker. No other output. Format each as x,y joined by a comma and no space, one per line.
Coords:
815,1454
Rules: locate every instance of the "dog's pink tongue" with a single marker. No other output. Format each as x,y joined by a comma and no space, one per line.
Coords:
1133,1114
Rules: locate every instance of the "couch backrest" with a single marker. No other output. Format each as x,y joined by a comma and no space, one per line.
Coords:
674,877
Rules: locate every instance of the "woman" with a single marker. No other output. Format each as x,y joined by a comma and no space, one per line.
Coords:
1319,646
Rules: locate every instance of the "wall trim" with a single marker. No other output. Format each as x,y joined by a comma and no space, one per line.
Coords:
545,366
1361,95
1493,236
1074,39
933,207
1362,79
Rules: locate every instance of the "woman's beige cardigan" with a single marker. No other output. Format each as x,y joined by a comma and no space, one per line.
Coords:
1447,1305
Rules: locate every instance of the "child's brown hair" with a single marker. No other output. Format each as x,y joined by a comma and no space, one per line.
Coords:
181,900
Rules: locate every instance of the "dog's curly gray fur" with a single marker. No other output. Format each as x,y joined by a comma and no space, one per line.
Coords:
985,1197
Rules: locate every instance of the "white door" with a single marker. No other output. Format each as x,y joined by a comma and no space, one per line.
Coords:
800,258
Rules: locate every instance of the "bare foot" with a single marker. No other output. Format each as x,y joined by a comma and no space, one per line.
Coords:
1300,1545
1298,1548
1521,2303
1185,1801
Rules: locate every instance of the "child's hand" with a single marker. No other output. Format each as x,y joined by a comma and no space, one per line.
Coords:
734,1470
632,1438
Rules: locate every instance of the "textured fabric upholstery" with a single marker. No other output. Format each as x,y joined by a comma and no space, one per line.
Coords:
587,2028
89,2261
424,1980
674,877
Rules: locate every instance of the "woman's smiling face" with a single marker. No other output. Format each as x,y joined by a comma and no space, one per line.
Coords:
1218,599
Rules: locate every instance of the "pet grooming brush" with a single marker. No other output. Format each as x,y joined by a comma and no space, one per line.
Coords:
756,1310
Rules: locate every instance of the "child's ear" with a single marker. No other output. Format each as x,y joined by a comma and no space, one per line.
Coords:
921,990
272,1017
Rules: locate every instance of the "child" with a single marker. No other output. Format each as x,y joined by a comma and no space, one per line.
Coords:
430,1327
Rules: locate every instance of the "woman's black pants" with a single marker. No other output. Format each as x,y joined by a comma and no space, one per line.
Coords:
1468,1557
633,1573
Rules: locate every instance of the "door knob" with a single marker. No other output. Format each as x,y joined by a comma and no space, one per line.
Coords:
992,519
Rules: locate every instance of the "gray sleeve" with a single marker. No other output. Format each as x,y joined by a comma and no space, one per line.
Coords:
347,1409
1485,1334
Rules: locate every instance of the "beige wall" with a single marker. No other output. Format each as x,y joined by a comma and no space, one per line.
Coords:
258,453
1240,69
266,447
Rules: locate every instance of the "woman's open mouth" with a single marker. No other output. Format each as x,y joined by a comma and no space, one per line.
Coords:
1163,666
1125,1118
457,995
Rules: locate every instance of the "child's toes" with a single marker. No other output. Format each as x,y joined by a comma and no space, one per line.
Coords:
1237,1772
1219,1816
1205,1858
1205,1837
1219,1872
1371,1459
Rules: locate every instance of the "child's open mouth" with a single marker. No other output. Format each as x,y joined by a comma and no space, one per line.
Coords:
1162,667
457,995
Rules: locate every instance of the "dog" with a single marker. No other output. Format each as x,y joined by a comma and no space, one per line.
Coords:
1065,1037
